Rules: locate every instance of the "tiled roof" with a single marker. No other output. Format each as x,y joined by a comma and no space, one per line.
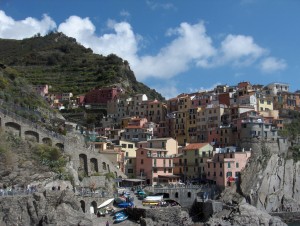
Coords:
194,146
133,127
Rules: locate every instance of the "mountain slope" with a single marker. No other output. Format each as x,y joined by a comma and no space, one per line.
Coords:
66,66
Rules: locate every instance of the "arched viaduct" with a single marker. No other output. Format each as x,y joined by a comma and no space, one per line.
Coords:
84,160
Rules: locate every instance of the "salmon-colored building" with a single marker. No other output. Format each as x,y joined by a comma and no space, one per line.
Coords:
225,165
154,161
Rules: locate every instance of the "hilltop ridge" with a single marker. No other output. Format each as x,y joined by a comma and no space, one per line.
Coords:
66,66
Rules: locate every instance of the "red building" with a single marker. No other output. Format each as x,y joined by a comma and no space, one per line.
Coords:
102,95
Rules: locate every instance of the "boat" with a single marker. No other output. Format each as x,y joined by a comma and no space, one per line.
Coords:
120,213
120,200
107,202
125,204
121,218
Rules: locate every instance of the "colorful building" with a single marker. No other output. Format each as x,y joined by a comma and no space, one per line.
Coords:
225,165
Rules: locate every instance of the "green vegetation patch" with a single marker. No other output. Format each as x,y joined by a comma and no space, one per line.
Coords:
51,157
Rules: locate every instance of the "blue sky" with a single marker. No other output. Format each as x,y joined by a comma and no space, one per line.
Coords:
175,46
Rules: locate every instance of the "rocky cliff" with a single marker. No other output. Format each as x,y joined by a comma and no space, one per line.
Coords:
244,214
274,186
49,208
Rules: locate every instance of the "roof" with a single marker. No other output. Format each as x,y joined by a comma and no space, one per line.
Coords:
133,180
164,138
168,176
153,149
194,146
133,127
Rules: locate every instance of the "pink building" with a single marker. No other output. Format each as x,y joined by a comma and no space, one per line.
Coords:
225,166
42,90
155,166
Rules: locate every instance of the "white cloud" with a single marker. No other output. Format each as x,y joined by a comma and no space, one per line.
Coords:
271,64
239,50
191,45
12,29
169,92
155,5
124,13
121,41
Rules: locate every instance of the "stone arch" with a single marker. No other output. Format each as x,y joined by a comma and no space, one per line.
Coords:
104,166
47,141
82,205
176,195
94,209
13,127
83,165
94,165
60,146
31,135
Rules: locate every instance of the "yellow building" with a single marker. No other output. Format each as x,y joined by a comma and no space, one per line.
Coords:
264,104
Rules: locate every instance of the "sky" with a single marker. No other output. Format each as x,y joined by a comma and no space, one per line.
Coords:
175,46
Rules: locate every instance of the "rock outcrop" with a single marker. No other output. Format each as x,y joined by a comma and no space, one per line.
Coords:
244,214
49,208
274,187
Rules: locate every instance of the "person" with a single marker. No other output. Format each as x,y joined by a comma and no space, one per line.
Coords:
107,223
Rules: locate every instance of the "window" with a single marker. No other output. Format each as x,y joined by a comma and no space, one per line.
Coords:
142,152
221,165
221,174
208,165
130,161
228,165
189,194
214,165
237,165
126,154
154,170
228,174
124,145
165,170
130,145
142,161
170,170
214,174
176,195
130,171
163,145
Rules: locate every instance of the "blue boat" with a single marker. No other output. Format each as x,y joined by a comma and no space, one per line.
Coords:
120,213
125,204
121,218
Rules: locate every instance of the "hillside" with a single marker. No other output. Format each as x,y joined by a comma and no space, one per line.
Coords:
66,66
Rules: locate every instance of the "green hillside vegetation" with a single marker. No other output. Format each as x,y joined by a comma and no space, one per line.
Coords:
66,66
292,132
19,97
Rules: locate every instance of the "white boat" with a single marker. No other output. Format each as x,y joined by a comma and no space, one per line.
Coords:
107,202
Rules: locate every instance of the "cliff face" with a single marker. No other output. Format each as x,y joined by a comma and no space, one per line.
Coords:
272,183
48,208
